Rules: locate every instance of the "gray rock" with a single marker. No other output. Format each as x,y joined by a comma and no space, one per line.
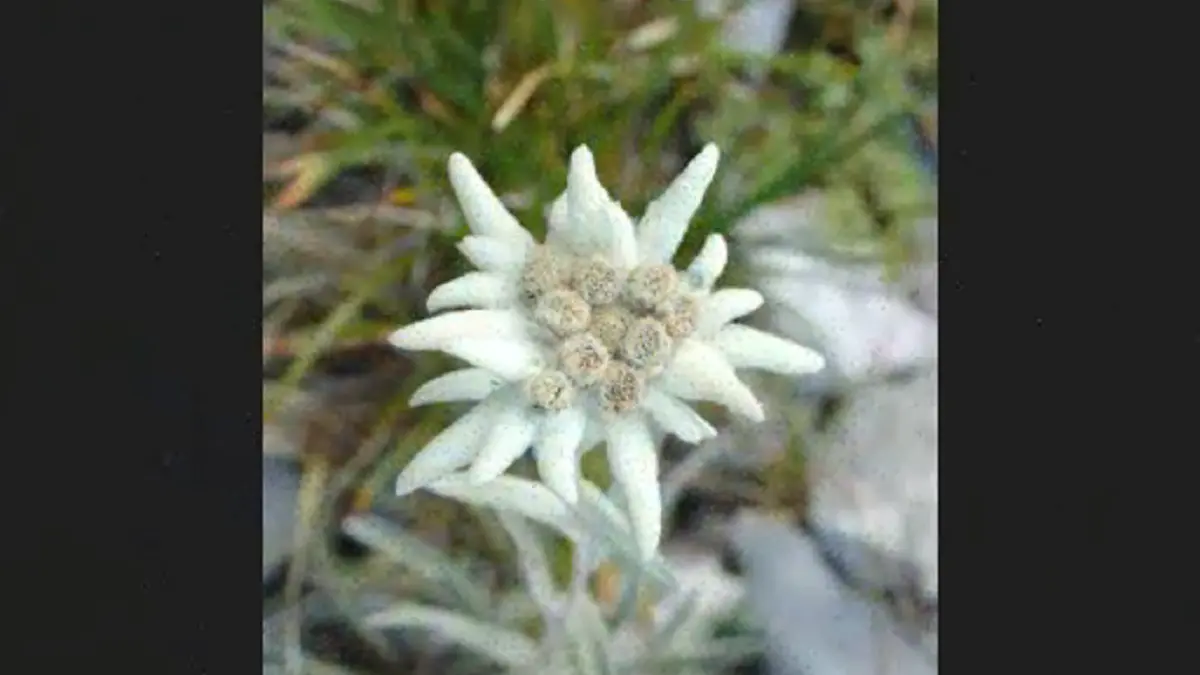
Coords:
814,624
757,27
924,281
874,480
280,485
922,276
838,300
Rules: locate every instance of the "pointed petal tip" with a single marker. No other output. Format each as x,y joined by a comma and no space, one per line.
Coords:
756,413
406,339
479,290
405,486
399,338
458,162
426,470
468,384
706,161
748,347
709,264
581,174
581,153
746,404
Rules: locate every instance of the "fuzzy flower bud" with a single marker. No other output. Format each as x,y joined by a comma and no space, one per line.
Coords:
550,390
610,324
649,286
597,282
678,315
583,358
563,312
545,271
646,343
621,388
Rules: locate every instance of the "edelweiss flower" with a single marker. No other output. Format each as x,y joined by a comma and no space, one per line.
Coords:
592,335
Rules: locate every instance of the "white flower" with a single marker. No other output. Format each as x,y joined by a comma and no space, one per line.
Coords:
590,336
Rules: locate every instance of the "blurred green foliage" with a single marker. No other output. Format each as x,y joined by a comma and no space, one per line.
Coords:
395,86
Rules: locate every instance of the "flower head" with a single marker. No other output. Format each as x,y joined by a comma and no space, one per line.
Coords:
590,336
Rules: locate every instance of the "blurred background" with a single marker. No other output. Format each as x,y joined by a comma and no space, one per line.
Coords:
814,534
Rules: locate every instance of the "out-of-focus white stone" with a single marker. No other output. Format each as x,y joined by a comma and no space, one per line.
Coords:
278,443
922,278
280,486
713,594
814,624
313,608
874,480
865,325
758,27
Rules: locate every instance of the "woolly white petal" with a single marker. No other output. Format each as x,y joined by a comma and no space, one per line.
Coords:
747,347
572,213
677,417
586,197
558,222
474,289
633,460
449,451
724,306
437,332
623,239
557,218
700,373
509,493
666,219
709,263
468,384
481,207
511,358
593,435
512,431
591,222
556,447
493,255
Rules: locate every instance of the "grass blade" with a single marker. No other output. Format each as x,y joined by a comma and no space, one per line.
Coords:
425,560
503,646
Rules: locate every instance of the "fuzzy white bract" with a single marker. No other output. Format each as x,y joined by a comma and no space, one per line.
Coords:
590,336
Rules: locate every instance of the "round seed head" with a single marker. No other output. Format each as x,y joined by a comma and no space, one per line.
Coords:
610,324
646,343
649,286
563,312
621,388
678,315
596,281
583,358
545,271
550,390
